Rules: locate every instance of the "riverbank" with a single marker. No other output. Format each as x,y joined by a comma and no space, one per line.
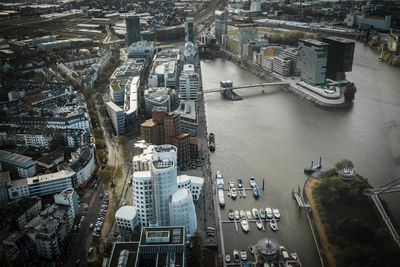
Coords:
300,92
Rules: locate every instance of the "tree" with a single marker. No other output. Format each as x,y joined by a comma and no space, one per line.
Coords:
344,163
99,144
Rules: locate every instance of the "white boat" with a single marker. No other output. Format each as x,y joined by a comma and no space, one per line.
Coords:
245,225
231,183
248,213
259,224
293,255
273,225
242,214
243,255
233,193
269,213
262,214
228,257
221,198
237,216
252,181
255,213
236,257
276,213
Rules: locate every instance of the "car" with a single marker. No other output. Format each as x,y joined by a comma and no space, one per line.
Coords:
91,226
90,250
123,203
75,228
79,225
77,262
101,196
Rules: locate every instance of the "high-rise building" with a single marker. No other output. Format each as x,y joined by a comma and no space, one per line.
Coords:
255,6
221,25
188,83
69,199
163,172
132,29
312,61
182,211
142,197
247,33
117,117
340,57
189,30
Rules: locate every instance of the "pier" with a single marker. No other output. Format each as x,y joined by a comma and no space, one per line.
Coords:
299,200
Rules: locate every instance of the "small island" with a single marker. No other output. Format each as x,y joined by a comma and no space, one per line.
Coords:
350,228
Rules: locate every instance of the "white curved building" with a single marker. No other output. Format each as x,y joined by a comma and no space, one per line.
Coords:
164,172
182,211
126,218
142,196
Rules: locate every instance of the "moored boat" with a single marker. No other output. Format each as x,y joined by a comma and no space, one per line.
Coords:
227,257
255,213
262,214
251,250
248,214
273,224
231,216
237,216
236,257
252,181
243,255
242,214
233,192
259,224
255,192
221,198
240,183
269,213
276,213
245,225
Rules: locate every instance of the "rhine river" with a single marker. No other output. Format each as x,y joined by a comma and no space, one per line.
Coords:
274,135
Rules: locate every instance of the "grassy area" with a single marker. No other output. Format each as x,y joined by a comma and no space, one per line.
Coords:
353,226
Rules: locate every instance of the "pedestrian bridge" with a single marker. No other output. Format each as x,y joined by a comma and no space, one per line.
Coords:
226,87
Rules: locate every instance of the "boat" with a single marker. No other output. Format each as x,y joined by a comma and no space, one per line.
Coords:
259,224
236,257
380,59
231,183
255,192
218,174
243,255
269,213
262,214
273,224
313,167
251,250
252,181
242,214
237,216
276,213
245,225
240,183
233,193
221,198
220,180
248,213
294,255
227,257
231,216
211,137
255,213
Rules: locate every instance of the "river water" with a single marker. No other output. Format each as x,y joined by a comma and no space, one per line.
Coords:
274,135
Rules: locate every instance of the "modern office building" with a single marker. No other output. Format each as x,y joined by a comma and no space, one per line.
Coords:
182,211
187,112
157,97
255,6
182,142
141,49
117,117
291,53
163,172
190,54
117,90
142,186
188,83
247,33
158,246
132,29
312,61
221,24
189,30
282,66
19,166
194,183
126,218
340,57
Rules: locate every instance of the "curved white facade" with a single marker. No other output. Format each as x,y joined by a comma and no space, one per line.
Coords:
142,197
126,218
163,172
182,211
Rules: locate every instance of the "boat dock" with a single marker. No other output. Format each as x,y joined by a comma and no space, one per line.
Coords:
299,200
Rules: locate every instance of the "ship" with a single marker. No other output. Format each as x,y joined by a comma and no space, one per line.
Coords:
313,167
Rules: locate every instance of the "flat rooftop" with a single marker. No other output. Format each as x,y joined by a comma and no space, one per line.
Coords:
49,158
153,236
131,247
163,164
49,177
16,159
338,39
313,42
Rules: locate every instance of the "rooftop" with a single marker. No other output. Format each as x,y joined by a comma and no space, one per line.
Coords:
165,148
153,236
126,212
114,107
313,42
49,158
131,247
49,177
148,123
163,164
339,39
4,178
117,85
180,194
16,159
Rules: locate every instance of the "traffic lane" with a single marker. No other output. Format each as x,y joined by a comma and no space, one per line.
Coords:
80,238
